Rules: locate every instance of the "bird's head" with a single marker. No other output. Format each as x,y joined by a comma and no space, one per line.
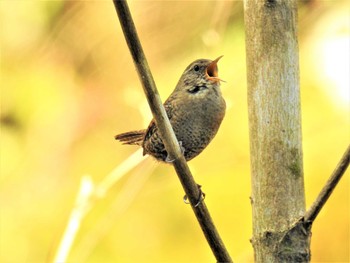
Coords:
200,75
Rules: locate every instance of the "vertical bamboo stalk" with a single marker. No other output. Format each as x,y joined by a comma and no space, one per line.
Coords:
275,128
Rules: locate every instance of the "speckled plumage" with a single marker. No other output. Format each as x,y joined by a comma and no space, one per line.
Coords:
195,110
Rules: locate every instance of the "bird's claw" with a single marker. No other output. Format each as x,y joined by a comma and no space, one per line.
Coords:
201,197
169,159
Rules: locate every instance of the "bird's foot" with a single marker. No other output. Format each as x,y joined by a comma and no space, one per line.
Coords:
170,159
201,197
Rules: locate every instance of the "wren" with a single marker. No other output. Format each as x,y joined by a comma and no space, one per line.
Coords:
195,109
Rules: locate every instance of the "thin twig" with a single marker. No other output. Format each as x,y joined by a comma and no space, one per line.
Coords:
82,206
119,172
167,134
88,194
332,182
122,201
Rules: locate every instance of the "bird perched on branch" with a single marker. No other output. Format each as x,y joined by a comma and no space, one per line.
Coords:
195,110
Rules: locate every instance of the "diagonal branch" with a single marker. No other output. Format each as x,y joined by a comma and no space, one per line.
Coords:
327,190
168,137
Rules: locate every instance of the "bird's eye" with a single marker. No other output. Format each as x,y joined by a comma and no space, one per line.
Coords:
194,89
196,68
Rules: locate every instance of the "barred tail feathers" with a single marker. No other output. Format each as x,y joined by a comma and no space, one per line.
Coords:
133,137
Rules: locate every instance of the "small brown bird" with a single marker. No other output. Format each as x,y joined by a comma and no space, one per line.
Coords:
195,110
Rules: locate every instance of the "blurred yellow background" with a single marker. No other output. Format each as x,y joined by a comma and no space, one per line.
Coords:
68,85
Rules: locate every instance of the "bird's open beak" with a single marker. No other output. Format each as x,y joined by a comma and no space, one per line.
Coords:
212,70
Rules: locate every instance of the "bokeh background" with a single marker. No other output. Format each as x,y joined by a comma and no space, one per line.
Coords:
68,85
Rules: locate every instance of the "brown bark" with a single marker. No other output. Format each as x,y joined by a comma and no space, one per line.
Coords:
278,199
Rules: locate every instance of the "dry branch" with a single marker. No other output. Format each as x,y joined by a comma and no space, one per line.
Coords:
167,134
327,190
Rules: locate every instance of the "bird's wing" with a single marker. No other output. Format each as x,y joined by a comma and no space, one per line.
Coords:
152,127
